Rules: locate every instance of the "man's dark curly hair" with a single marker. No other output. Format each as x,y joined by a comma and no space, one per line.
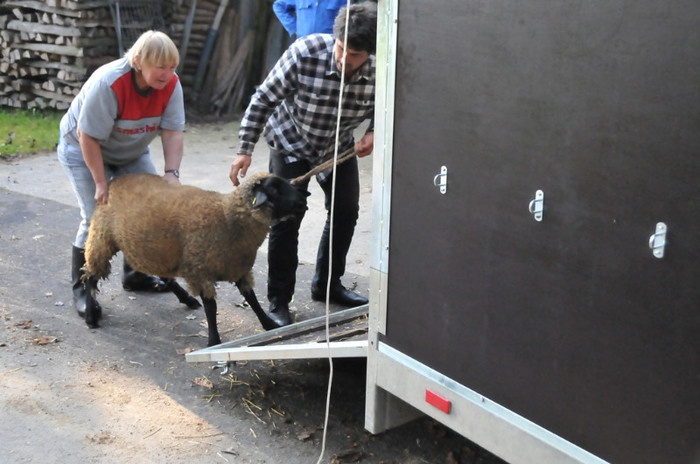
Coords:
362,27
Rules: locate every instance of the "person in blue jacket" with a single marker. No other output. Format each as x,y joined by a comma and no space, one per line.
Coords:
304,17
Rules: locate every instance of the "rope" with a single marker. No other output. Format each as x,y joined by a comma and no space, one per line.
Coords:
330,241
331,163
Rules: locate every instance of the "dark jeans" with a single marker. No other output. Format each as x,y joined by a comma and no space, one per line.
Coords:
283,241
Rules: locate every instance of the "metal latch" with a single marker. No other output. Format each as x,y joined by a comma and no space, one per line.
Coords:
537,205
441,180
657,242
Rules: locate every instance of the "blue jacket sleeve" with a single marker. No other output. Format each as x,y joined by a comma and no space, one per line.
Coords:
285,10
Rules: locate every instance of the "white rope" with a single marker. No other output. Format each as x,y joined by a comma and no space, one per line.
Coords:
330,235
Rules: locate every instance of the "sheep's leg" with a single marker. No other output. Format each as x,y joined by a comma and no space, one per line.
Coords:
93,311
181,294
249,294
99,251
210,312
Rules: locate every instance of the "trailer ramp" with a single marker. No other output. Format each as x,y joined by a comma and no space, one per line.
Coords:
301,340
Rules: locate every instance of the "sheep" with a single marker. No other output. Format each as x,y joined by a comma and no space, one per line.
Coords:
183,231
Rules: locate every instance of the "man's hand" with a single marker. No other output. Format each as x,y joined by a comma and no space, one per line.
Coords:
365,146
240,166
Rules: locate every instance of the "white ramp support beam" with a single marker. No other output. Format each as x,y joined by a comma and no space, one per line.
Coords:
287,343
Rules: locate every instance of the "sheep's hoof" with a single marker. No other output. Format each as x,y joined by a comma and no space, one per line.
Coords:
93,325
192,303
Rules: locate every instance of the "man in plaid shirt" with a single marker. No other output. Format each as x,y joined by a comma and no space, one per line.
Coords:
296,110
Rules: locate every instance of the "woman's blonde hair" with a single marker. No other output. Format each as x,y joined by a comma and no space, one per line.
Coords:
154,48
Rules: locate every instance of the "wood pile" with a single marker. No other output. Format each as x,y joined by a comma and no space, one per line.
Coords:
189,27
49,48
235,64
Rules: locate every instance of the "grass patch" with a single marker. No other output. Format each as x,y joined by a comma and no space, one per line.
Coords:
26,131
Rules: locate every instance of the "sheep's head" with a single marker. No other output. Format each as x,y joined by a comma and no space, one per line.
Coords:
283,199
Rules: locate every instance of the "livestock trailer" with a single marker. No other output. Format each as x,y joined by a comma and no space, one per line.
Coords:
535,282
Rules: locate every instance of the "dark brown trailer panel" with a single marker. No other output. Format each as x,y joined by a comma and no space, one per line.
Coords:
571,322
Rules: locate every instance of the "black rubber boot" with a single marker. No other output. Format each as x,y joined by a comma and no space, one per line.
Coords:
78,282
136,281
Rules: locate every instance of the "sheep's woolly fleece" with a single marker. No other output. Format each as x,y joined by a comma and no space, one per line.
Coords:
179,231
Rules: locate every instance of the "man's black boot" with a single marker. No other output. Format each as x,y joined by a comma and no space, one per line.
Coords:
279,311
338,294
135,281
78,281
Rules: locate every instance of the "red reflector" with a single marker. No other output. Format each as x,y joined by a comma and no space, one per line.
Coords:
440,402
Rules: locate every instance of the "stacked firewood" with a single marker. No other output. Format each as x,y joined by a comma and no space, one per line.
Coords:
219,82
49,47
189,26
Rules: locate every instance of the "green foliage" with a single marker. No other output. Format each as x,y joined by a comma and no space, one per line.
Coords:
27,131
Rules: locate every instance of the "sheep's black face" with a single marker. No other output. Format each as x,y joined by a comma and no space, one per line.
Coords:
285,199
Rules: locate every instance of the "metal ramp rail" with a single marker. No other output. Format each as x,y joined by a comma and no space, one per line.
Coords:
301,340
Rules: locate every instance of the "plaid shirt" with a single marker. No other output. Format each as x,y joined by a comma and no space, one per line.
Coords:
299,102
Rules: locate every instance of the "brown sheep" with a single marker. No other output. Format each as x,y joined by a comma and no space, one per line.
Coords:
183,231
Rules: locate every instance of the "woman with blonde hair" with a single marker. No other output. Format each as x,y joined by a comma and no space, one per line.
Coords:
106,132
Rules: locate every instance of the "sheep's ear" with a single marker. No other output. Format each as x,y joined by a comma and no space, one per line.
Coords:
260,198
